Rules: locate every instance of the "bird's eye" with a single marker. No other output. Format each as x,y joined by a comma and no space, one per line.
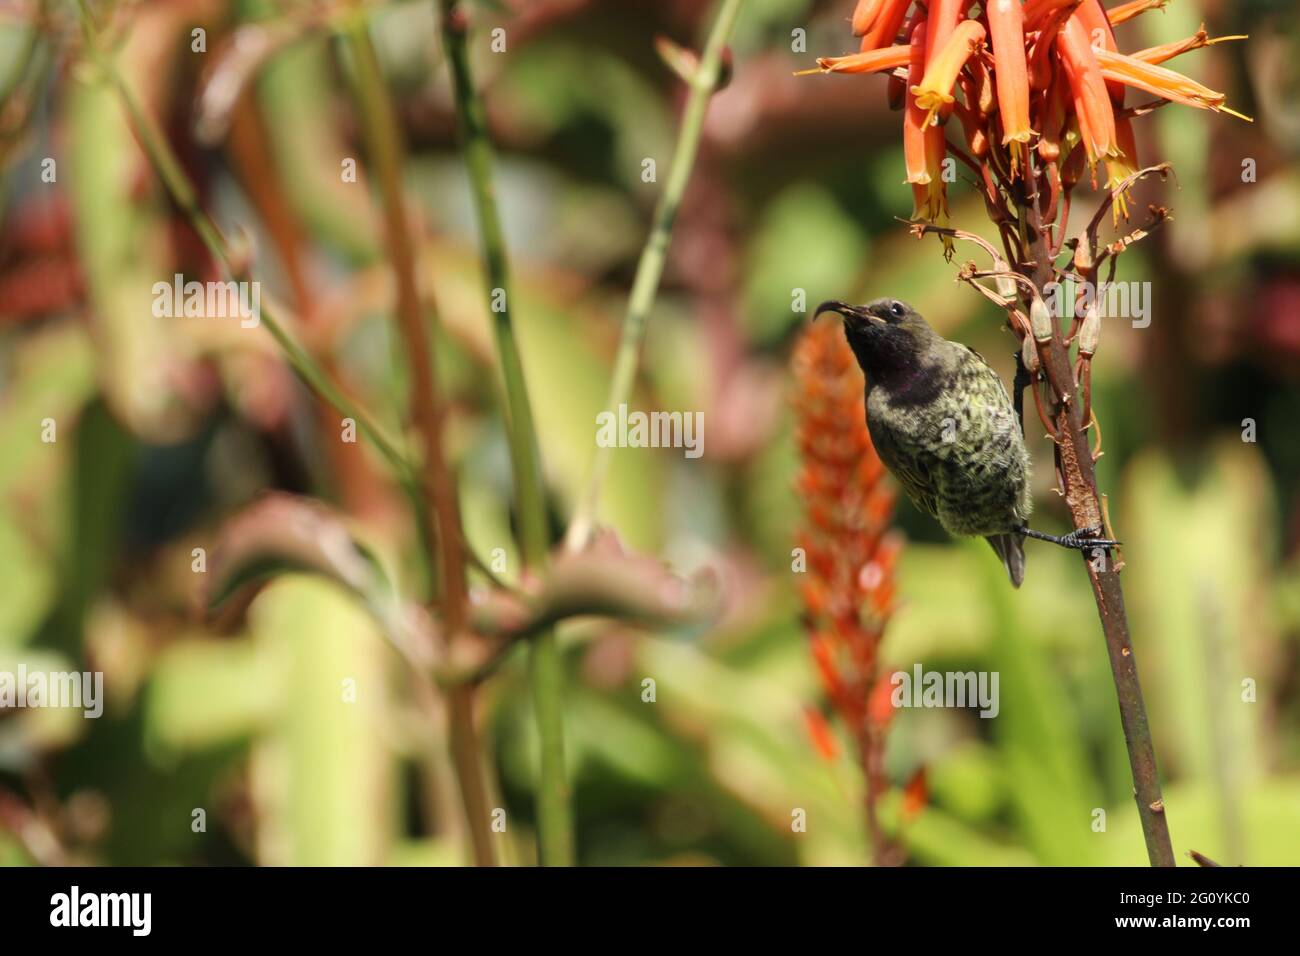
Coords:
896,310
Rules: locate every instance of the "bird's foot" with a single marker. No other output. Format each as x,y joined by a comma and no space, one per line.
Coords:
1081,539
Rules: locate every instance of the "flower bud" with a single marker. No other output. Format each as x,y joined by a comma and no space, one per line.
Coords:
1083,256
1090,331
1040,320
1029,355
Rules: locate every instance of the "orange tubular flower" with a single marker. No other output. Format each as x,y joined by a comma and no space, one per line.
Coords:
1036,12
864,15
941,68
923,144
1088,88
1127,11
1102,36
886,25
943,19
1162,82
1053,120
1167,51
1040,60
1007,32
913,116
981,94
873,61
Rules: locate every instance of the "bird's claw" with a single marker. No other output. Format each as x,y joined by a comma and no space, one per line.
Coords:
1085,538
1081,539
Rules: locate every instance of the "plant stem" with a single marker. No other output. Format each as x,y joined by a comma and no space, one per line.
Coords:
1076,467
650,267
555,827
384,143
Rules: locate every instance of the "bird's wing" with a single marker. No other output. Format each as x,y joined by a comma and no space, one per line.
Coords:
910,472
992,372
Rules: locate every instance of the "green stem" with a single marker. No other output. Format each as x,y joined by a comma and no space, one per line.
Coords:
427,413
650,268
555,827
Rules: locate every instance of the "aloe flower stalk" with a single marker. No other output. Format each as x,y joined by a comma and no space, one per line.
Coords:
1043,104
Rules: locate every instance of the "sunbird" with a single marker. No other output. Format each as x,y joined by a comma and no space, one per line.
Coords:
943,424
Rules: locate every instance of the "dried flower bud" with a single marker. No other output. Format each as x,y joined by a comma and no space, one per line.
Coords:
1029,354
1083,256
1040,320
1090,331
1006,284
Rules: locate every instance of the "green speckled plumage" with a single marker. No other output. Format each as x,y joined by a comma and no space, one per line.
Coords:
959,456
944,425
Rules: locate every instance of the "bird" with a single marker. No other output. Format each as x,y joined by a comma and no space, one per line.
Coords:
943,424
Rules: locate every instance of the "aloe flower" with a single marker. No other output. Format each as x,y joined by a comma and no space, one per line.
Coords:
1045,75
1162,82
1093,108
935,89
885,26
1007,32
1127,11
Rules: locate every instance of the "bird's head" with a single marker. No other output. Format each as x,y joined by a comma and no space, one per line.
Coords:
889,337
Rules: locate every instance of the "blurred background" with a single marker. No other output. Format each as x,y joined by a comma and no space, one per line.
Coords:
166,428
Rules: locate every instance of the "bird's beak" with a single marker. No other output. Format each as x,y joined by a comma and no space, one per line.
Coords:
839,308
846,311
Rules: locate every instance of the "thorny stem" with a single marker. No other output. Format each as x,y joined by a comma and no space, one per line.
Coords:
555,827
438,486
1075,464
650,267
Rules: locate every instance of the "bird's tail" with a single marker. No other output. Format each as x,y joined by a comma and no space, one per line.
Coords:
1011,549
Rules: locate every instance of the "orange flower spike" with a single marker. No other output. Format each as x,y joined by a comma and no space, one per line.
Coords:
873,61
888,21
1088,88
934,92
1127,11
864,15
1102,36
1162,82
1007,33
